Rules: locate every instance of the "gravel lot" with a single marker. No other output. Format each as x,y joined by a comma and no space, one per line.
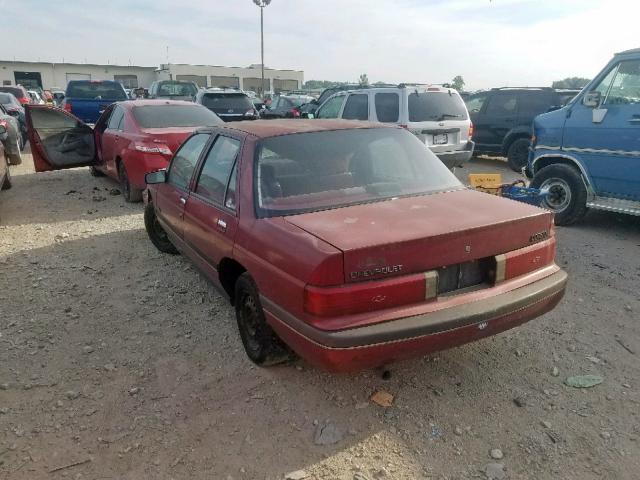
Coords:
118,362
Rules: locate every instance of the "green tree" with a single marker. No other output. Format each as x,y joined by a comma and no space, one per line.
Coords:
363,80
570,82
458,83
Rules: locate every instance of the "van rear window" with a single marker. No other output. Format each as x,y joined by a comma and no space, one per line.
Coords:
436,106
96,91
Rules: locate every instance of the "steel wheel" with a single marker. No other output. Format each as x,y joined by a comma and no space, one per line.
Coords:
559,197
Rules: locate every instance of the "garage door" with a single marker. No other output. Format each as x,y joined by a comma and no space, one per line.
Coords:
199,80
253,84
78,76
229,82
281,85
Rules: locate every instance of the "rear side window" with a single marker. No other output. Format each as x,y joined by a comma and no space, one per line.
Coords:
502,104
163,116
357,107
387,107
116,118
96,91
534,102
436,106
215,173
185,160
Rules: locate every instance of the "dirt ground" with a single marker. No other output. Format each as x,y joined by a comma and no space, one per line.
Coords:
118,362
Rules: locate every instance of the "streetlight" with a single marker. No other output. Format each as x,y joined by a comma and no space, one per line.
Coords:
262,4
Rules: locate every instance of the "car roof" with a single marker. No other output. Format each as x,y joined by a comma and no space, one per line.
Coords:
633,50
150,102
274,128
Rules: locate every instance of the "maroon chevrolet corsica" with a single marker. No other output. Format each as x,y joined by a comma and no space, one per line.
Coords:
349,242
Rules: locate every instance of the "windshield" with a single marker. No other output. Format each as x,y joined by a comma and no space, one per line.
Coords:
7,99
16,92
227,102
177,89
96,91
163,116
436,106
314,171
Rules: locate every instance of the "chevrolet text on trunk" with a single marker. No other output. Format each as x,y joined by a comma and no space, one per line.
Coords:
349,242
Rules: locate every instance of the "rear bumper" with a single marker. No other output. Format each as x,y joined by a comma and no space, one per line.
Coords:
378,344
456,158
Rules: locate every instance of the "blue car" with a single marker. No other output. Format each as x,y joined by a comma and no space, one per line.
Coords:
587,154
87,99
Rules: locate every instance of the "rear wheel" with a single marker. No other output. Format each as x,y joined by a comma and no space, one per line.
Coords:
16,159
131,194
260,342
567,196
156,233
518,154
6,184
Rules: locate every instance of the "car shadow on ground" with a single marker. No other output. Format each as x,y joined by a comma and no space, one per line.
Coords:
63,196
128,357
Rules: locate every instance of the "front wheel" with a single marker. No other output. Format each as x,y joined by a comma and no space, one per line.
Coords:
156,233
130,193
567,193
262,345
518,154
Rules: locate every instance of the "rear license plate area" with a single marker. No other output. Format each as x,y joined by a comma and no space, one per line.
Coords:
440,139
464,275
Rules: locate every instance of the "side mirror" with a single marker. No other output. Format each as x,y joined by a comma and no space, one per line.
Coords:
156,177
591,99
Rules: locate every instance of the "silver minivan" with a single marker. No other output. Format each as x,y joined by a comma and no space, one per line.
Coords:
436,115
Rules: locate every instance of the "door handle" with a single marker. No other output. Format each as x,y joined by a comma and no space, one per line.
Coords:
635,119
183,200
222,225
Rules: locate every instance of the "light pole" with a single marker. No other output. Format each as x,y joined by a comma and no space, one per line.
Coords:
262,4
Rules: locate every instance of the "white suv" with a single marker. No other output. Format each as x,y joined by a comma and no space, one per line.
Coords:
436,115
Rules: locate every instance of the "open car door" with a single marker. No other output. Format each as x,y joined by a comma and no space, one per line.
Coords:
58,139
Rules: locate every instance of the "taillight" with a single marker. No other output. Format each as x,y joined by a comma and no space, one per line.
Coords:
250,113
67,107
24,100
524,260
470,131
369,296
295,113
156,148
406,127
5,124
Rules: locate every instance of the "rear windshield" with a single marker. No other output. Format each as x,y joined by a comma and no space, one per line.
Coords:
314,171
436,106
177,89
227,101
7,99
163,116
96,91
16,92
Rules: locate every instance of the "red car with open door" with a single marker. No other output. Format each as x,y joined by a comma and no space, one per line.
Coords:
129,139
349,241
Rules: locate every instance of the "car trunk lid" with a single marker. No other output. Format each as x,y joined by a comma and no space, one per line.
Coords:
171,137
422,233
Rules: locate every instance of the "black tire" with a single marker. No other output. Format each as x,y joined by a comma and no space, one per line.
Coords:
131,194
567,192
6,184
262,345
95,172
518,154
23,141
156,233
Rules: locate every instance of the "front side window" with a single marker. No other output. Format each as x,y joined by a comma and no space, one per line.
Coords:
605,83
387,107
214,177
502,104
331,109
185,160
625,88
312,171
357,107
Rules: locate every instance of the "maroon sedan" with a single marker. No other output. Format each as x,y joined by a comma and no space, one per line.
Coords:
349,242
129,139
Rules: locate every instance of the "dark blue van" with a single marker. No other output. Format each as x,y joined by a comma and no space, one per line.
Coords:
87,99
588,153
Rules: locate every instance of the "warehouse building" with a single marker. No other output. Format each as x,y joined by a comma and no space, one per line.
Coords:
56,75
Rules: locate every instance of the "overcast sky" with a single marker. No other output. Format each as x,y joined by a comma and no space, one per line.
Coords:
488,42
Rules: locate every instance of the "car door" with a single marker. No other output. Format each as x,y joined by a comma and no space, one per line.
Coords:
58,139
210,214
498,115
173,195
608,138
356,107
111,140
